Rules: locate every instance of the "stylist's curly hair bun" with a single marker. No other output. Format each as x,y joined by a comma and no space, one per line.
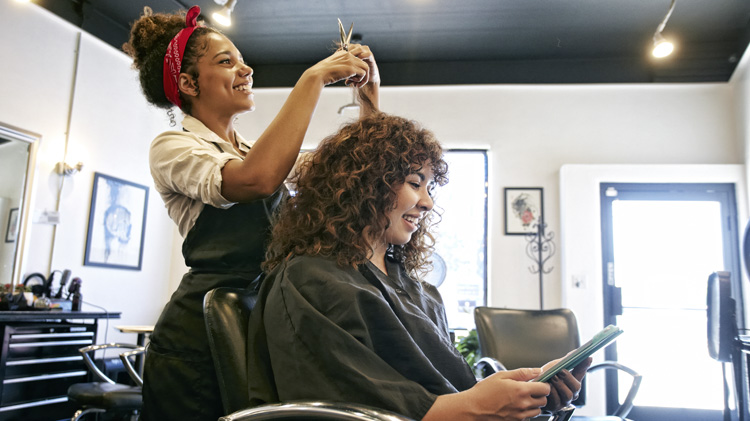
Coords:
149,37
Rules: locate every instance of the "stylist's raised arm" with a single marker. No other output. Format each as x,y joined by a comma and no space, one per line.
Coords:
273,155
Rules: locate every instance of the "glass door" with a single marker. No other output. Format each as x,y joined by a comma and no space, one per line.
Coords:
660,243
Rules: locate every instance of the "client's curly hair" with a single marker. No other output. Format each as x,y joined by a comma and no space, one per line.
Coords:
149,37
345,189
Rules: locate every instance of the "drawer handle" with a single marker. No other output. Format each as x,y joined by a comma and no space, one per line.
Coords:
45,377
44,360
51,343
50,335
33,404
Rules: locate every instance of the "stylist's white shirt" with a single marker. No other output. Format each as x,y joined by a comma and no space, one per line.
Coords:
186,167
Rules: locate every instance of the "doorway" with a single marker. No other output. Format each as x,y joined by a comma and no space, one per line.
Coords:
660,242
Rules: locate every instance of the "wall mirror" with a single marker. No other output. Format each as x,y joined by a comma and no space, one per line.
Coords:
17,160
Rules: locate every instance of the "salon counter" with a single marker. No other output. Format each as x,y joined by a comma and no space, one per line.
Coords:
39,360
54,315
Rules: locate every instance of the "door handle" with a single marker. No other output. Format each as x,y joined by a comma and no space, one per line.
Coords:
616,301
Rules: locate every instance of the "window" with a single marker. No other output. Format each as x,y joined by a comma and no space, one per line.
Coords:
461,237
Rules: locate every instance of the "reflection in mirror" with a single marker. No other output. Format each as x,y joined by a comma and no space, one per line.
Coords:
17,158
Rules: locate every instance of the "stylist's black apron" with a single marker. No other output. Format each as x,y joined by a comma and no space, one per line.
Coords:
224,248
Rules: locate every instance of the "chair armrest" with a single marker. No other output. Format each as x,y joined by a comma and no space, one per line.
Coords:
314,411
487,365
125,358
627,404
563,414
88,351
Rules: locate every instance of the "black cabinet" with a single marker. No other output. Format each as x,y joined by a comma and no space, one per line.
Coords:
39,360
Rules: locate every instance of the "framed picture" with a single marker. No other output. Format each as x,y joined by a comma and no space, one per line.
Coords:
524,209
117,223
11,233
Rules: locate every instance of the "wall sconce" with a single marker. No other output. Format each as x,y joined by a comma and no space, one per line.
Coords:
63,168
224,16
662,47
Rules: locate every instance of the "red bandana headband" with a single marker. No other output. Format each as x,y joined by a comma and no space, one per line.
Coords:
175,52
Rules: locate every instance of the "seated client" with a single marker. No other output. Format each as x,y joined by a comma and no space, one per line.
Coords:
343,314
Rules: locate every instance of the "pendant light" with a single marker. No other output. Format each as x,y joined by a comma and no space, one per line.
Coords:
663,47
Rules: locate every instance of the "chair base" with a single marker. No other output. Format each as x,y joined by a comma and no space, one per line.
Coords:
81,412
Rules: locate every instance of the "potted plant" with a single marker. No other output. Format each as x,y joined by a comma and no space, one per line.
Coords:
468,346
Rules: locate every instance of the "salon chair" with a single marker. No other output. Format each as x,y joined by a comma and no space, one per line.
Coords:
226,312
104,395
727,346
511,339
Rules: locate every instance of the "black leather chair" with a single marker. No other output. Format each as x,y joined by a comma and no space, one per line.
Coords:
226,311
104,395
727,346
511,339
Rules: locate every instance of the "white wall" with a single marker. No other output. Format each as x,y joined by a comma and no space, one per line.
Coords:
111,128
740,85
532,131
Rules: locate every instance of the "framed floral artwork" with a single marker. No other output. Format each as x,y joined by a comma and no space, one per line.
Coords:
524,209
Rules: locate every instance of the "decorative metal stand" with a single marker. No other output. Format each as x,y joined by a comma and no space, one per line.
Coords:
540,249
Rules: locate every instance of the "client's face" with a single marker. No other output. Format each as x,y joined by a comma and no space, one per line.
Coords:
413,202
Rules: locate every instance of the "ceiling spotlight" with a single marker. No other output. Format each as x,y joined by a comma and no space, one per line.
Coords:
224,16
662,47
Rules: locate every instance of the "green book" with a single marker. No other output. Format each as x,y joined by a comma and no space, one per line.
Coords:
599,341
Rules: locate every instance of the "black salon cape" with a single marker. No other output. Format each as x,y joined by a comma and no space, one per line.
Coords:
351,335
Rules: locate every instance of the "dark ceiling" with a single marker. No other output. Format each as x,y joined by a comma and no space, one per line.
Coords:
429,42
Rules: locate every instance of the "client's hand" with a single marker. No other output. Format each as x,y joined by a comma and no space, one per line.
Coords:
565,385
508,395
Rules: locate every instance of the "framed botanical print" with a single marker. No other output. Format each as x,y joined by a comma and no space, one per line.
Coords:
524,209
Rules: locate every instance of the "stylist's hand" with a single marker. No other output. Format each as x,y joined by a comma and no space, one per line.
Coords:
339,66
566,385
363,53
508,395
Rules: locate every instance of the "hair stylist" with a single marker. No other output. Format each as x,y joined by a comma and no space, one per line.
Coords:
220,189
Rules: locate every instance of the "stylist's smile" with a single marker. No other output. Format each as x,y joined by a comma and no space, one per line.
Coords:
245,87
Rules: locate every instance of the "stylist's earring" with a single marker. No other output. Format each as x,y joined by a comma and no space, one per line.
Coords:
172,121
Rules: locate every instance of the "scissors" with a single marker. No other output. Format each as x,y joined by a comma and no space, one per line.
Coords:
345,39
